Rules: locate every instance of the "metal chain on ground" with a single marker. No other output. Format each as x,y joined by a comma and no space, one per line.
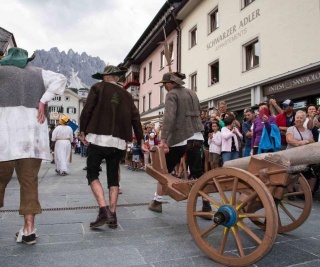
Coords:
86,207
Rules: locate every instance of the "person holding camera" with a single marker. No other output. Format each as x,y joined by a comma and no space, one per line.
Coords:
285,120
312,121
230,147
247,130
264,123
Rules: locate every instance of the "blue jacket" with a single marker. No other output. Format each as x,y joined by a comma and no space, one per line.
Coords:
270,142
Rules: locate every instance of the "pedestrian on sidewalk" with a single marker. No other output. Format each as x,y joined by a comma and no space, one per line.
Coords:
63,137
106,124
136,151
24,130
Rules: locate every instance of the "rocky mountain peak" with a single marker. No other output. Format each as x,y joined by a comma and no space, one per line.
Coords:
70,63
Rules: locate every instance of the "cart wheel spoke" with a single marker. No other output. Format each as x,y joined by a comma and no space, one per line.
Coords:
209,229
279,219
252,196
203,213
252,215
249,232
287,212
221,192
234,192
235,231
292,204
210,199
224,240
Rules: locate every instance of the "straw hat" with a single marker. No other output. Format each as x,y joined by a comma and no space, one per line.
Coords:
64,120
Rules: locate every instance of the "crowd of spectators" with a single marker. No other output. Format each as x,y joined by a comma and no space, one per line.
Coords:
268,127
137,157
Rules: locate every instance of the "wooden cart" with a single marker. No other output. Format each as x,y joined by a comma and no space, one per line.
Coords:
249,206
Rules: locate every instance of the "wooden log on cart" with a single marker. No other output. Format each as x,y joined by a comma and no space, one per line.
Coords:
309,154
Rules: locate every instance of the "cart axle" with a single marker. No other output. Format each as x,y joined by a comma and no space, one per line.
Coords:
226,216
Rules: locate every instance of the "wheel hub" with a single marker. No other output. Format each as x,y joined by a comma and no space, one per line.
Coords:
226,216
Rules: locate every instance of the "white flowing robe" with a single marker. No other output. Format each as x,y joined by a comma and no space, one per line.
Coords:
21,135
63,136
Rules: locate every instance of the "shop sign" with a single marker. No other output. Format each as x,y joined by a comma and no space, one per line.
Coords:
296,82
300,104
233,32
54,115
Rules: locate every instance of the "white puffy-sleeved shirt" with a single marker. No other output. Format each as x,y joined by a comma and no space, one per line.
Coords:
21,135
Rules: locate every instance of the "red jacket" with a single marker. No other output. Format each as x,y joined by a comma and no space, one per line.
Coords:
281,120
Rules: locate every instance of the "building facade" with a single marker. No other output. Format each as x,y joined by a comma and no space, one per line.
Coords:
244,52
151,71
7,41
70,104
147,62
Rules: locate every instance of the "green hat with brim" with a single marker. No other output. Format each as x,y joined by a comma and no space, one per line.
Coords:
171,77
110,70
16,57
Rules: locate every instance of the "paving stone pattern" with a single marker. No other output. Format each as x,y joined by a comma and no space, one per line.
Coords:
143,238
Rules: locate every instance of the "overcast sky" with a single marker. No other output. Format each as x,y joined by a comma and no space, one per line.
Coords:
104,28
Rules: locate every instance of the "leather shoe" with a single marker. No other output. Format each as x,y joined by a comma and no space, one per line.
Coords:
112,219
155,206
102,218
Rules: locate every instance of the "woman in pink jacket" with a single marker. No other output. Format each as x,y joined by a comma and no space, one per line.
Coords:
230,145
214,142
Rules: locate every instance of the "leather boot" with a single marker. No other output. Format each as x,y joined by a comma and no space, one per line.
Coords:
155,206
206,208
112,218
102,218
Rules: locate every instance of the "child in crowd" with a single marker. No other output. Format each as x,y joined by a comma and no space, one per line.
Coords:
214,142
136,151
149,144
78,146
128,158
75,144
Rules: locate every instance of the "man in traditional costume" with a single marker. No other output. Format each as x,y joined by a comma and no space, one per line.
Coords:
106,124
24,91
181,130
62,135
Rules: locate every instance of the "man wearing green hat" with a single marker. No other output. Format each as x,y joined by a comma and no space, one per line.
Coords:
24,91
106,124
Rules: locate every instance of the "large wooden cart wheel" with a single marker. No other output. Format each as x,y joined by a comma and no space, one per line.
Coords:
230,237
292,213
